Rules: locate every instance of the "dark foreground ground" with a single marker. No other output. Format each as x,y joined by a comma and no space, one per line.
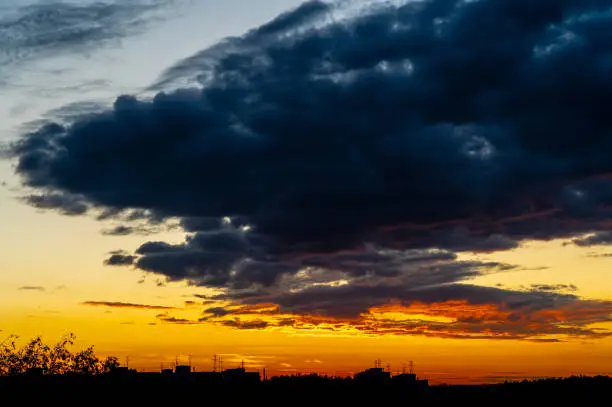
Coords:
288,391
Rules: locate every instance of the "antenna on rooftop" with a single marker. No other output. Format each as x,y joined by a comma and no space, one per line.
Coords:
127,362
411,367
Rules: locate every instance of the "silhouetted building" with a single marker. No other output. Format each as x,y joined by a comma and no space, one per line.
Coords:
374,375
207,376
240,376
409,380
182,369
122,371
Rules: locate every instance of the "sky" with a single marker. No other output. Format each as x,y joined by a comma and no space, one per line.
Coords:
311,186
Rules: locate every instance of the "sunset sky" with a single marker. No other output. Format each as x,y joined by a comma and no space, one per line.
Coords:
311,186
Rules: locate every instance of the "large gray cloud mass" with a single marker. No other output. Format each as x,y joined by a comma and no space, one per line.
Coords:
417,128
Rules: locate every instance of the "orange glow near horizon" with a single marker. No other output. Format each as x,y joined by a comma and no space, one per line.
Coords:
155,336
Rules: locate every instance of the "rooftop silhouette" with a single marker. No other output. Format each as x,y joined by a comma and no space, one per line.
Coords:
38,372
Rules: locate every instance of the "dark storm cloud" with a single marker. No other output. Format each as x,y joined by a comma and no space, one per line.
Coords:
48,28
236,259
471,312
349,295
351,300
200,224
206,258
335,164
195,65
403,118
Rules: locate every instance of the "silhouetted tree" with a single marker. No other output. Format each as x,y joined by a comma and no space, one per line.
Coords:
51,360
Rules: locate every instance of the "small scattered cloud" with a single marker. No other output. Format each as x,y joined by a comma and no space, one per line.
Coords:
120,260
174,320
602,238
127,230
237,323
599,255
554,287
66,204
32,288
120,230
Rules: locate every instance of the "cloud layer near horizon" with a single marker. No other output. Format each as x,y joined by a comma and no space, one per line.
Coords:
350,159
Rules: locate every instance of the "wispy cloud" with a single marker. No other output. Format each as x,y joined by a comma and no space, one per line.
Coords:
44,29
174,320
111,304
32,288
